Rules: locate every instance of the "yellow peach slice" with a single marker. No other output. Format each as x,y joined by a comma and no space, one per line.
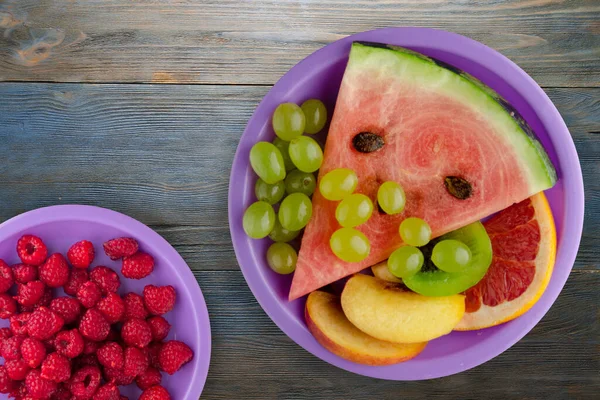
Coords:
328,324
381,271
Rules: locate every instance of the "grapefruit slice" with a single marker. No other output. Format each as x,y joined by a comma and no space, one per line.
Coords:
460,152
524,244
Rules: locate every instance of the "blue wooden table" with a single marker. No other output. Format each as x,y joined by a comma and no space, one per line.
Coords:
138,106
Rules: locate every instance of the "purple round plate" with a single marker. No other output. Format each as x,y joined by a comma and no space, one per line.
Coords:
61,226
319,76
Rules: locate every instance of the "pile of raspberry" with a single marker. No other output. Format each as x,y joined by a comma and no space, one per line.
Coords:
88,343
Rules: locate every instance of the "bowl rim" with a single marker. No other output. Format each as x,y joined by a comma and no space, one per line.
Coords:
153,240
542,106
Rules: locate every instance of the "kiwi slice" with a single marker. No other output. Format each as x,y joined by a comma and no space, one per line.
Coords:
431,281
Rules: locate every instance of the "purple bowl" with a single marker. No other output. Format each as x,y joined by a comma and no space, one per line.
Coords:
61,226
319,76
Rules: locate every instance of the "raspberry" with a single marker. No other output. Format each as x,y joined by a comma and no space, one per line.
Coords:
87,360
78,277
117,377
111,355
155,393
6,277
6,384
24,273
159,299
134,306
108,392
112,307
67,307
153,352
5,333
113,336
8,306
173,355
159,327
62,393
19,390
49,345
106,278
38,387
17,369
10,348
18,323
55,271
44,323
81,254
149,378
124,397
90,347
93,325
89,294
120,247
136,362
30,293
136,332
31,250
56,368
85,382
69,343
46,299
137,266
33,352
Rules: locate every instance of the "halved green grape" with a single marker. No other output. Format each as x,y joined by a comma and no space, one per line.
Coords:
451,255
306,154
267,162
415,232
405,262
280,234
338,183
259,220
354,210
316,115
288,121
284,147
269,193
295,211
300,182
350,245
391,198
282,258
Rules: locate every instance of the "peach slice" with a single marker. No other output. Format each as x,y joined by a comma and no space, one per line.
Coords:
381,271
328,324
387,312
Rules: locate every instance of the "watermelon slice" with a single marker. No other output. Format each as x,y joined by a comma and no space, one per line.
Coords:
460,152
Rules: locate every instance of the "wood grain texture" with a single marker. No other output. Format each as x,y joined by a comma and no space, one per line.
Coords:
255,42
170,148
559,359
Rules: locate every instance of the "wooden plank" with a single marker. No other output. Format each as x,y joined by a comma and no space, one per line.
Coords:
162,154
232,42
559,359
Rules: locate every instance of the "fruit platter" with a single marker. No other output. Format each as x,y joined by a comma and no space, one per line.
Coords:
398,216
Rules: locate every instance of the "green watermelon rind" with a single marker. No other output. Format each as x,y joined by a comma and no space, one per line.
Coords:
536,162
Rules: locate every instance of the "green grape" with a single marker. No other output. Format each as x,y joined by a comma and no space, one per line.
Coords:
295,211
306,154
269,193
267,162
451,255
283,147
405,261
415,232
259,220
280,234
354,210
391,198
316,115
282,258
338,183
288,121
300,182
350,245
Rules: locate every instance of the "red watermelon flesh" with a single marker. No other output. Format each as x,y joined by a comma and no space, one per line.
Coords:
435,123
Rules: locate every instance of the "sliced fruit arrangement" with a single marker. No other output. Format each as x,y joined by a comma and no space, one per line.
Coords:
417,154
